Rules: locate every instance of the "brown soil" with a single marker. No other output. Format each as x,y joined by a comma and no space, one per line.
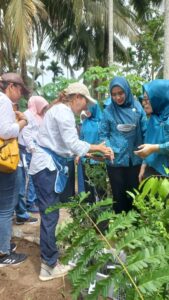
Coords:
21,282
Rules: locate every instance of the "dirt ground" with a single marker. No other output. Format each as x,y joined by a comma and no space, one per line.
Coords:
21,282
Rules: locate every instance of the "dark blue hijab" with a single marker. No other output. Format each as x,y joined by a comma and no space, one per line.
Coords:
123,113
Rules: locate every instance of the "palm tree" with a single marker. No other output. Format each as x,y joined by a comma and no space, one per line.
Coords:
17,23
86,39
110,26
54,67
43,57
166,41
142,7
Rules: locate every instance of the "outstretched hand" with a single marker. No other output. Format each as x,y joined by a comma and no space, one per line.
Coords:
146,149
107,151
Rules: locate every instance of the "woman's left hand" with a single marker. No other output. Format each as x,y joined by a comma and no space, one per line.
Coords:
146,149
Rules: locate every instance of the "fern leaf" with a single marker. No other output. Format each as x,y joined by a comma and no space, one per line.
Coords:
104,216
134,239
121,222
142,259
150,282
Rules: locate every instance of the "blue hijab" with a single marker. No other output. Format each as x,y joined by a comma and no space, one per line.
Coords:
123,113
90,126
158,94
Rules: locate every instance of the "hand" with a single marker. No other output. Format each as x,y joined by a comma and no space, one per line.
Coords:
146,150
107,151
141,173
20,116
97,158
77,160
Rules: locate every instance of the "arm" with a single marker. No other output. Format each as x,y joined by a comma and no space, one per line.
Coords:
29,132
147,149
142,171
70,137
104,130
9,128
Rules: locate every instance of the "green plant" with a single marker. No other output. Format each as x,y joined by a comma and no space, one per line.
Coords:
98,80
141,234
50,91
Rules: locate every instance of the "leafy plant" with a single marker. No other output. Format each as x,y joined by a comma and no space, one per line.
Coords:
98,80
135,244
50,91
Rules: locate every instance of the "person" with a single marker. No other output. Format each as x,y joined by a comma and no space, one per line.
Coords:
89,132
12,87
27,139
58,140
123,128
155,150
146,105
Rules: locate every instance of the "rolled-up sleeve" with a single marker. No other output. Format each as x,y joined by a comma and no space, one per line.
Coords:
8,125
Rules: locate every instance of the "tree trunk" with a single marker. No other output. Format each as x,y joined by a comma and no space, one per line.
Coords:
166,41
40,41
110,28
24,74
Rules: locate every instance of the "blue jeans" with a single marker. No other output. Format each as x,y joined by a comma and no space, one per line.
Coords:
21,209
44,186
9,188
30,194
27,194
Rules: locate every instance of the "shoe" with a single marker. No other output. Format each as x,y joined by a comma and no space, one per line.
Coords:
22,221
49,273
12,259
33,208
13,247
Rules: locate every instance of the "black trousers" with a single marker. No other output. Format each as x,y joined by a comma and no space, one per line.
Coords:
123,179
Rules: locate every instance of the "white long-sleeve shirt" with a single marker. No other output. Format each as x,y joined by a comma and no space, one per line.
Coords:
9,128
58,132
28,134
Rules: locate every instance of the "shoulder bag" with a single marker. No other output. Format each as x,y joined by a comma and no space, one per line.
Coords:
9,155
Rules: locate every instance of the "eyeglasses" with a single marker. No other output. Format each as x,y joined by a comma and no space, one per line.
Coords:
119,94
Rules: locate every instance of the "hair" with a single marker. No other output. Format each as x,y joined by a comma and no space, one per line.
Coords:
62,98
3,85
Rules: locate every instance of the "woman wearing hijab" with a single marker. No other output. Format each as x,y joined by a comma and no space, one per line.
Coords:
27,139
122,128
89,132
155,151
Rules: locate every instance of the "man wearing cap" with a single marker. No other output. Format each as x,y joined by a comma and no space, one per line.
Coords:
58,141
13,88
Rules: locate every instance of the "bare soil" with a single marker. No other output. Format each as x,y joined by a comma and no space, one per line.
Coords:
21,282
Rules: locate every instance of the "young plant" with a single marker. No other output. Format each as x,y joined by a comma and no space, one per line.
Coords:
135,245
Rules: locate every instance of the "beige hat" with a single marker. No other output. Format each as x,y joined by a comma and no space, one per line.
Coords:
79,88
15,78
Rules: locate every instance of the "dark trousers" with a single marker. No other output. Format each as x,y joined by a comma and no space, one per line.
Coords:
123,179
149,171
69,190
44,186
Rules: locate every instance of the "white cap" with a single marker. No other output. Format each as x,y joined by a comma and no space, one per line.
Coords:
79,88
